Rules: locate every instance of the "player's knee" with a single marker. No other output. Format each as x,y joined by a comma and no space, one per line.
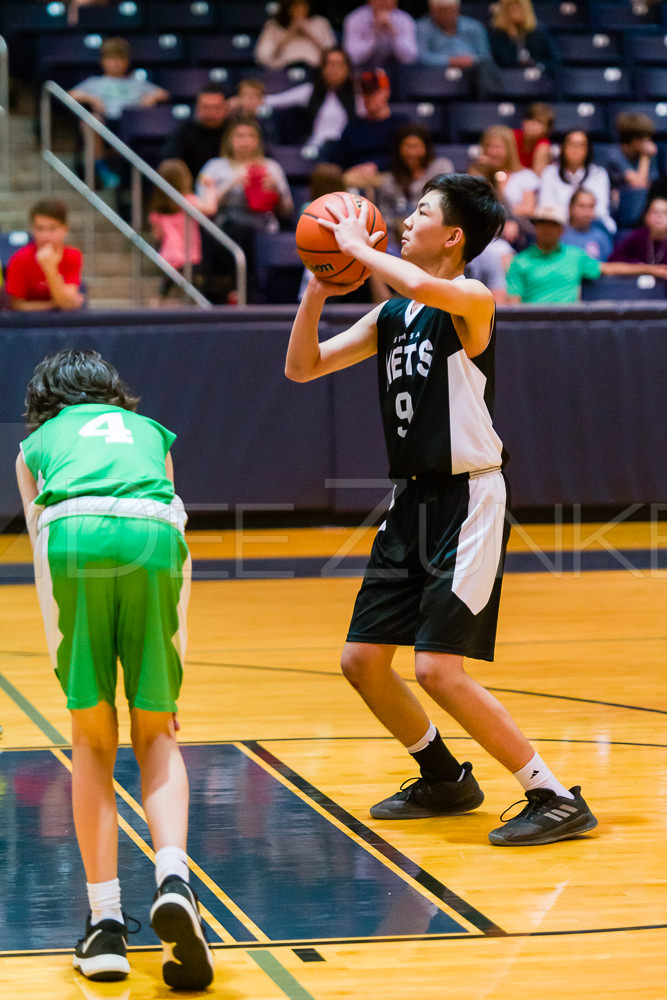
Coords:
356,664
434,672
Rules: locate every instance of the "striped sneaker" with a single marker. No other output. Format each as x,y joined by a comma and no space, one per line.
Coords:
102,953
187,962
546,818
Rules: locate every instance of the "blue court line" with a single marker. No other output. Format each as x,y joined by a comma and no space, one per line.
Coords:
436,888
333,567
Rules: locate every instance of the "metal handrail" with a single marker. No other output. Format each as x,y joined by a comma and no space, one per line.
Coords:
4,114
139,166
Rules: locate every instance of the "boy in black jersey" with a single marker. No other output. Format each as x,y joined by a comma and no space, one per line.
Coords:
435,570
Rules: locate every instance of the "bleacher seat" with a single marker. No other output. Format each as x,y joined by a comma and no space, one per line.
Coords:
629,210
468,119
164,49
277,80
651,83
589,48
22,17
626,16
461,154
297,161
249,16
431,83
595,83
592,118
185,82
529,84
278,267
117,18
10,242
623,288
553,15
189,16
650,49
433,116
221,50
76,50
145,130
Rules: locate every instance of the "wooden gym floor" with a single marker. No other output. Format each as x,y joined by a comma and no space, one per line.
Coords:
304,895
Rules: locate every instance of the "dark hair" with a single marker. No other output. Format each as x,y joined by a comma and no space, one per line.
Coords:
632,125
398,167
71,377
52,208
213,88
345,93
470,203
174,172
561,155
283,15
325,179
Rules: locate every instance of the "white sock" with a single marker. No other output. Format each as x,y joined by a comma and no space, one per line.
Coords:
104,901
536,774
171,861
427,738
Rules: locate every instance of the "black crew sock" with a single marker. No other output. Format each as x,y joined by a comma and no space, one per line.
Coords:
436,763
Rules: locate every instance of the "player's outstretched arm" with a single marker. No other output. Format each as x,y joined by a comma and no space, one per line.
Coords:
307,358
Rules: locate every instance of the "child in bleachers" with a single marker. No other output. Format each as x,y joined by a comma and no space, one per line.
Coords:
168,220
46,273
108,94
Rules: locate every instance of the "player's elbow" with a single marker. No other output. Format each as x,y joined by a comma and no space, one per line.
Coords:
296,374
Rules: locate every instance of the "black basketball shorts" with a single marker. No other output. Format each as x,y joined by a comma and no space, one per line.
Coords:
434,576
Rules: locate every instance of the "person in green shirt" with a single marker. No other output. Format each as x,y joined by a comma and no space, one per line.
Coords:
113,576
551,271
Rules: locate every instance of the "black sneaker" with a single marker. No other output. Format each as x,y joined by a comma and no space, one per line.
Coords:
102,953
423,798
546,818
187,963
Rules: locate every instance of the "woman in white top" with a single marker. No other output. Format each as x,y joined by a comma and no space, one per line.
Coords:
328,102
252,191
516,184
574,169
293,36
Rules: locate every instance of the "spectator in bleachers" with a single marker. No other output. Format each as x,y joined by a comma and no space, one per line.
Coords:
250,99
551,271
168,220
447,38
46,274
364,149
584,230
413,163
517,185
516,40
574,169
648,243
490,267
107,96
378,34
633,163
328,101
293,36
197,139
252,191
533,138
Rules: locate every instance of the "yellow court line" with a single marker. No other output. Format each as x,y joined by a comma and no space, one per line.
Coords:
450,911
212,921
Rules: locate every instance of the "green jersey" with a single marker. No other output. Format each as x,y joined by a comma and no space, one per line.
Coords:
555,276
94,449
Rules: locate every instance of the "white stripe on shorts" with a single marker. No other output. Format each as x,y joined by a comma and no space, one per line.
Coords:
480,541
47,602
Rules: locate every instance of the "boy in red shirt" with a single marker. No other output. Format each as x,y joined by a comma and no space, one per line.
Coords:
45,274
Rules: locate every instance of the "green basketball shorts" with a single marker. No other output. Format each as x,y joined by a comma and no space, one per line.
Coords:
114,588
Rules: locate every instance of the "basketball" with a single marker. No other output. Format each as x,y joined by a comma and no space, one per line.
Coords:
317,246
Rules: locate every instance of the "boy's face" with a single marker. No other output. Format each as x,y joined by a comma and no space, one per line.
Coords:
47,230
547,235
250,98
115,65
425,233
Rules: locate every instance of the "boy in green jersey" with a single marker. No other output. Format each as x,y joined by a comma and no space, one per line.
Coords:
113,578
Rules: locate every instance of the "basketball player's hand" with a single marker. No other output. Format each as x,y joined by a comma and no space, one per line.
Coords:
350,229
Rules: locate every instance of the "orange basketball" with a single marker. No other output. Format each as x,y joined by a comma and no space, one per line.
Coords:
317,246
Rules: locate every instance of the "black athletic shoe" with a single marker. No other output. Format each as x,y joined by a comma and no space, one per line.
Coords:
546,818
102,953
423,798
187,963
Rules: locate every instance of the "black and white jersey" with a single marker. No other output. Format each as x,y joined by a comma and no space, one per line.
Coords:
436,402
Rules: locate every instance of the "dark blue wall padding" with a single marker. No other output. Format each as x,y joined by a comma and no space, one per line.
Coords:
580,404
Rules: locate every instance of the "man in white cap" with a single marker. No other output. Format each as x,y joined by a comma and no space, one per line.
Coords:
551,271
